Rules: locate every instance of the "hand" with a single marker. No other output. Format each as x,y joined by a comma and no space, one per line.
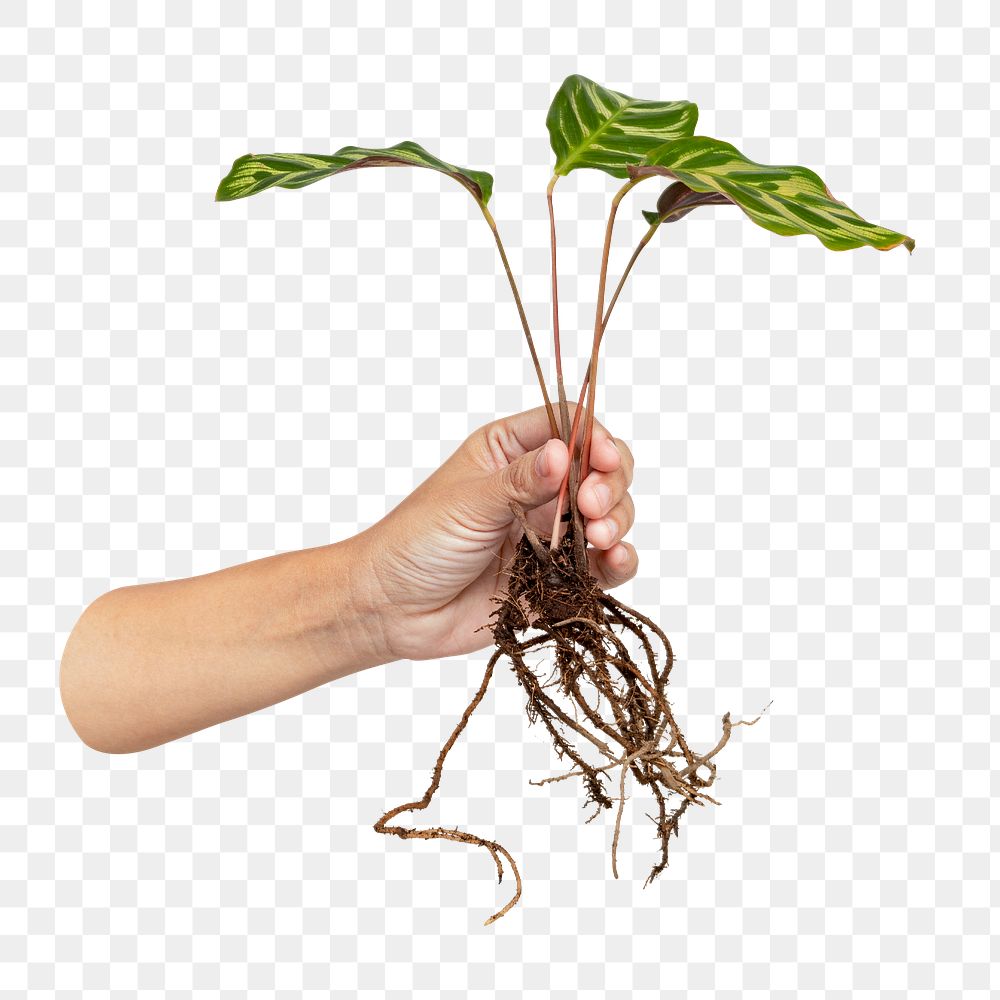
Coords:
437,557
153,662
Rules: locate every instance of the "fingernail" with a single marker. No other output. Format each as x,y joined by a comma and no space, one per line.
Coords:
542,464
603,496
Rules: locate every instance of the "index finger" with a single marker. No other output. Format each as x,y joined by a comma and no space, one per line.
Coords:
526,431
523,432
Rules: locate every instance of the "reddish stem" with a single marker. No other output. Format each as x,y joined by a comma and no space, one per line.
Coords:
557,346
600,323
488,216
599,328
614,298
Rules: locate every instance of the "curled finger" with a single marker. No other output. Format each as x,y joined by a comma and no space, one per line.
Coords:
603,532
615,566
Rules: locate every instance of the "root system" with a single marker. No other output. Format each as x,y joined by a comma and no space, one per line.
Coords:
598,699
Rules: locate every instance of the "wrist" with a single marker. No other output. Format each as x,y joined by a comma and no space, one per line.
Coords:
345,610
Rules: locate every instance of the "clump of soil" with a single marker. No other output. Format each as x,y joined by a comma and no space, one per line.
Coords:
598,697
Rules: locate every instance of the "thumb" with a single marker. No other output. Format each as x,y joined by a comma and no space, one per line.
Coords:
531,480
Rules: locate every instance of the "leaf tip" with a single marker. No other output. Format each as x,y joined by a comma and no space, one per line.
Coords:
903,241
226,192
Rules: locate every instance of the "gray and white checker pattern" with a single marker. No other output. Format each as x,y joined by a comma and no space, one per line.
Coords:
186,385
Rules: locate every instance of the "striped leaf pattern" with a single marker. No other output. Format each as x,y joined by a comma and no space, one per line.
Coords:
255,173
591,126
790,201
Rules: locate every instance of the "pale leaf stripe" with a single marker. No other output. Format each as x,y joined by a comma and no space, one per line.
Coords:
593,127
258,172
787,200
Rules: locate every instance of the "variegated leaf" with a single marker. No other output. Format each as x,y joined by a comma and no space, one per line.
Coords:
591,126
258,172
787,200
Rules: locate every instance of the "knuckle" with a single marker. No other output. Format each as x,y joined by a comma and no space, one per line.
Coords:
628,460
492,430
629,512
518,478
481,446
496,435
623,515
500,445
617,517
621,482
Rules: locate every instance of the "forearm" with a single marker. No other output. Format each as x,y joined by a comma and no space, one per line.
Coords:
154,662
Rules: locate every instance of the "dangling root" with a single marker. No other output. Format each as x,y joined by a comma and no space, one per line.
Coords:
440,833
602,694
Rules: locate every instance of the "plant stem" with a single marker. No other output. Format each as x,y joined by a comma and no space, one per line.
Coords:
600,321
487,215
573,471
599,326
621,284
614,298
557,347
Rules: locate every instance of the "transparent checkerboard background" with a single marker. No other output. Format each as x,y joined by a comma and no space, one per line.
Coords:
188,385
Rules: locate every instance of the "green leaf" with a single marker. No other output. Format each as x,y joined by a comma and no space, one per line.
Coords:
790,201
591,126
678,200
255,173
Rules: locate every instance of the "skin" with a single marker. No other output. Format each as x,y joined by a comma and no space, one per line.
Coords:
155,662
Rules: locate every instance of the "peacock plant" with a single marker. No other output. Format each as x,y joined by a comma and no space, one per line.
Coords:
608,698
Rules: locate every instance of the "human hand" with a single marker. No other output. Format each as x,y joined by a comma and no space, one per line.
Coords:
435,561
153,662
